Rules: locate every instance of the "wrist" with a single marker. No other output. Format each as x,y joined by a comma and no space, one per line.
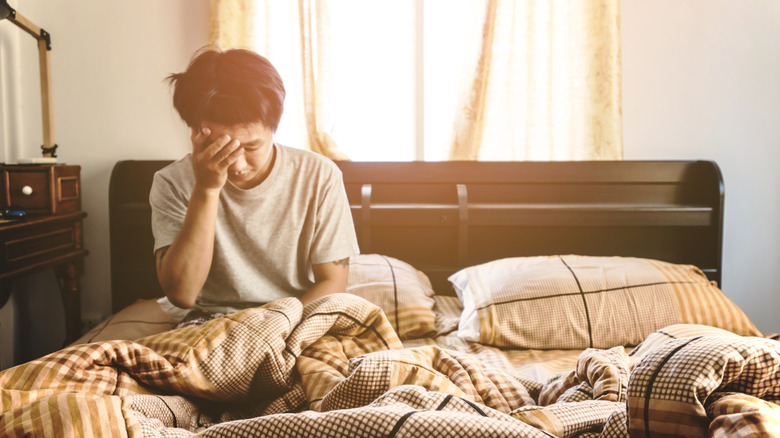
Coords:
206,191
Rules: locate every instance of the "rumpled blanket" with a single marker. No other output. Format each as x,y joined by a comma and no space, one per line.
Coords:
336,368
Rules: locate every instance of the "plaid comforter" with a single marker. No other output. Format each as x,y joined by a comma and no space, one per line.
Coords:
336,368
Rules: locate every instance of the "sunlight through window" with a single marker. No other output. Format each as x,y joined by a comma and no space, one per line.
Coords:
381,60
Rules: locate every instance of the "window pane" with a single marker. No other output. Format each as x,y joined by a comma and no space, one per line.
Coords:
373,74
449,29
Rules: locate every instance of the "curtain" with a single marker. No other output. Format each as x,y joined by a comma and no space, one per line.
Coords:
269,28
541,79
232,24
316,73
543,83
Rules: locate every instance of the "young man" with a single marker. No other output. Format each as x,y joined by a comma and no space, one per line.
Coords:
242,221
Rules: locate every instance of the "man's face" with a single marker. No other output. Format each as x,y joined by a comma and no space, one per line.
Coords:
253,166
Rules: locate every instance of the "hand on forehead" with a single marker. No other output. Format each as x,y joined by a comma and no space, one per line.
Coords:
250,134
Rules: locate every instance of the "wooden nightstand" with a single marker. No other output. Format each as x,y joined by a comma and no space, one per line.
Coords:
48,237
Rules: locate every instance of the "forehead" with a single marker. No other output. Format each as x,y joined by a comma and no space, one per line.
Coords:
242,132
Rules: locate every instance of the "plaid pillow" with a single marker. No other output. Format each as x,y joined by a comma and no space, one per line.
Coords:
576,302
401,291
676,331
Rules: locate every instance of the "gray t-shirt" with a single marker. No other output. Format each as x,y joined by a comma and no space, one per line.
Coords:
267,237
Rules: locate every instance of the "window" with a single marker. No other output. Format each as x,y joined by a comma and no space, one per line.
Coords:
395,71
383,79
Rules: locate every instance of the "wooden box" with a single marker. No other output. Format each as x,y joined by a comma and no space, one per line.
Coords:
41,188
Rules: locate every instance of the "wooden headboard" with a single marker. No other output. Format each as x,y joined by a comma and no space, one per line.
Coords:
444,216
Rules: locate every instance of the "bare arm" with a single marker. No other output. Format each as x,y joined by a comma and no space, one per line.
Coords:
329,278
182,267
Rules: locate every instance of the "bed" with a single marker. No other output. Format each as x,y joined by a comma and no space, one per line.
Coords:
489,299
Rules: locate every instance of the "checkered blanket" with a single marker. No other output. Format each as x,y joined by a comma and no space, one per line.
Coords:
336,368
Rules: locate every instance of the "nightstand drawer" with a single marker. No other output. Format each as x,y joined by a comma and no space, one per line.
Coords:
42,244
42,188
39,241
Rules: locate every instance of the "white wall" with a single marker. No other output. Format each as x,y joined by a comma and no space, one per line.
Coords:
701,80
109,62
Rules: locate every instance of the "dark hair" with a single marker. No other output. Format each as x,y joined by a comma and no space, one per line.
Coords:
231,87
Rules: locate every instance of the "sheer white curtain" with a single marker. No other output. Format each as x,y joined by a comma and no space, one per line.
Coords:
543,82
504,79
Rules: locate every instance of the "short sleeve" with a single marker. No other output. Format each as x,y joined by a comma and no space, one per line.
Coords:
334,237
169,207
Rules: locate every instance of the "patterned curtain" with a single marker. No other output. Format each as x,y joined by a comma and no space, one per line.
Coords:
543,83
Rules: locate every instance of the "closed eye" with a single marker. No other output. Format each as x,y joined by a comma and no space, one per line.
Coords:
252,145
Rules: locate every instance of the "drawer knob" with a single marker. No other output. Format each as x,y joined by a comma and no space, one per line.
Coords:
27,190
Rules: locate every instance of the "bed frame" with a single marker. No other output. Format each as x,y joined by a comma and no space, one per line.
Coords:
444,216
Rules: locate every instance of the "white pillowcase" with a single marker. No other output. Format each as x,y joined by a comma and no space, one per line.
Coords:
468,326
168,307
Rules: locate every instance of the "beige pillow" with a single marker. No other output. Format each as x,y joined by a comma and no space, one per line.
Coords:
401,291
576,302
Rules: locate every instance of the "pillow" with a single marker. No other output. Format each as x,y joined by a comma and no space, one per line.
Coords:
142,318
576,302
401,291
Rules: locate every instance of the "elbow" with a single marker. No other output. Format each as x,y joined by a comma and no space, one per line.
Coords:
180,302
178,283
177,295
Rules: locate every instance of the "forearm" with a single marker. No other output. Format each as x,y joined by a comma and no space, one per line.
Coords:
184,267
329,278
320,289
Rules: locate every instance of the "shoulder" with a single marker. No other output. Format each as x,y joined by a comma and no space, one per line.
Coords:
175,177
306,156
179,170
310,163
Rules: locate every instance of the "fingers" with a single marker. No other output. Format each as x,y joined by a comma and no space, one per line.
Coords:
229,153
214,150
211,157
237,153
199,137
209,147
237,161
